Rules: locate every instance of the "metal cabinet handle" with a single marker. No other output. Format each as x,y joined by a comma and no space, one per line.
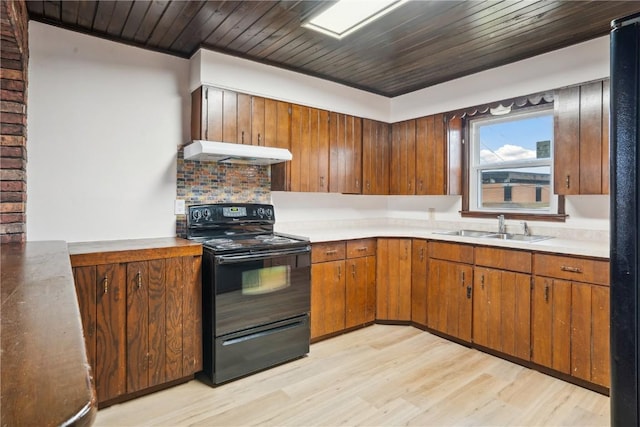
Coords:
469,292
362,249
482,280
368,185
420,185
463,278
421,254
322,182
139,280
568,181
357,183
105,284
242,138
339,272
331,252
571,269
259,140
546,292
353,270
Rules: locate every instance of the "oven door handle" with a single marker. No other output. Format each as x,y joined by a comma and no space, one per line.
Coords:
230,259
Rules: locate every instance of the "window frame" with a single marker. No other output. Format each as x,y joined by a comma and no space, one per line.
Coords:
557,215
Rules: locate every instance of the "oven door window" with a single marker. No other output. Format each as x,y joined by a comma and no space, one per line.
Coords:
266,280
250,292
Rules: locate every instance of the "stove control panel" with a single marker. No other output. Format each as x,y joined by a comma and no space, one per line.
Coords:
223,213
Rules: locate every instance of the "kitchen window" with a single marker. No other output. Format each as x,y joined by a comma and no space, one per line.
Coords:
510,166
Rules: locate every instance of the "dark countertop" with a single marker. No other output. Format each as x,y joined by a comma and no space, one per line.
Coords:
46,379
113,251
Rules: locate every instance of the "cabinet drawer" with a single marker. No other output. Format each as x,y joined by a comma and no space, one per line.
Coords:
451,252
571,268
504,259
328,251
360,248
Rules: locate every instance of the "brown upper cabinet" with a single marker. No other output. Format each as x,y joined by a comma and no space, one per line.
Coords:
438,155
227,116
310,149
376,152
345,153
403,158
214,114
581,158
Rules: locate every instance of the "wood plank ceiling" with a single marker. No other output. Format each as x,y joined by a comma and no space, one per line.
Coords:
420,44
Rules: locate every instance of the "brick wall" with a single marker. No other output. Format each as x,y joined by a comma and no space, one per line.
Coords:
14,57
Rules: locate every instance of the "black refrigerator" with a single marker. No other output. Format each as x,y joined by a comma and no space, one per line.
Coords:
625,221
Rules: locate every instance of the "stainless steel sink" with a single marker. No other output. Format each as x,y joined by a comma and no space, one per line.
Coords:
465,233
517,237
493,235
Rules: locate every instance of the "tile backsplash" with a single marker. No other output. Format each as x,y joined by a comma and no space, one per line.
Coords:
211,182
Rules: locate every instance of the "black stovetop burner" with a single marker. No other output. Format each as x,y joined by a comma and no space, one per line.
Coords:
237,227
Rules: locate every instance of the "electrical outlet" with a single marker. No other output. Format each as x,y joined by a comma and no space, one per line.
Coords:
179,208
432,214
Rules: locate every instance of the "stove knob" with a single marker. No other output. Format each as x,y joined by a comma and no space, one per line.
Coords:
196,215
206,213
269,212
261,212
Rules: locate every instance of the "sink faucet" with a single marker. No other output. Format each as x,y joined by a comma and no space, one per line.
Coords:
502,228
525,229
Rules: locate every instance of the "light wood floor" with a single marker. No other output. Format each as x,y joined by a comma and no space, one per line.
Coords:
380,375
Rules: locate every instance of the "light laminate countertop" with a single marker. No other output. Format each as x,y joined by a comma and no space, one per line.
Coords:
342,231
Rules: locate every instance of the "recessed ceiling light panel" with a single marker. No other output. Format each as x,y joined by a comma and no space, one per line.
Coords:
347,16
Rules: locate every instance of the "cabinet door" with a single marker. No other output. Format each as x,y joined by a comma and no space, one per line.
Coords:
403,158
360,291
462,294
567,141
85,282
486,307
258,121
551,328
393,279
600,349
431,167
376,151
501,311
590,333
137,326
310,149
192,309
174,297
419,282
516,314
454,156
244,119
345,153
581,164
327,298
278,134
214,114
111,306
449,298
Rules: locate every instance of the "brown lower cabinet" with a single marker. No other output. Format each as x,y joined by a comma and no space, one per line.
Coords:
393,280
450,289
570,316
419,276
342,286
142,319
502,300
552,310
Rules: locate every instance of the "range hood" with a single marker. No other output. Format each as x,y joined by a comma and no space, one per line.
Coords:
224,152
